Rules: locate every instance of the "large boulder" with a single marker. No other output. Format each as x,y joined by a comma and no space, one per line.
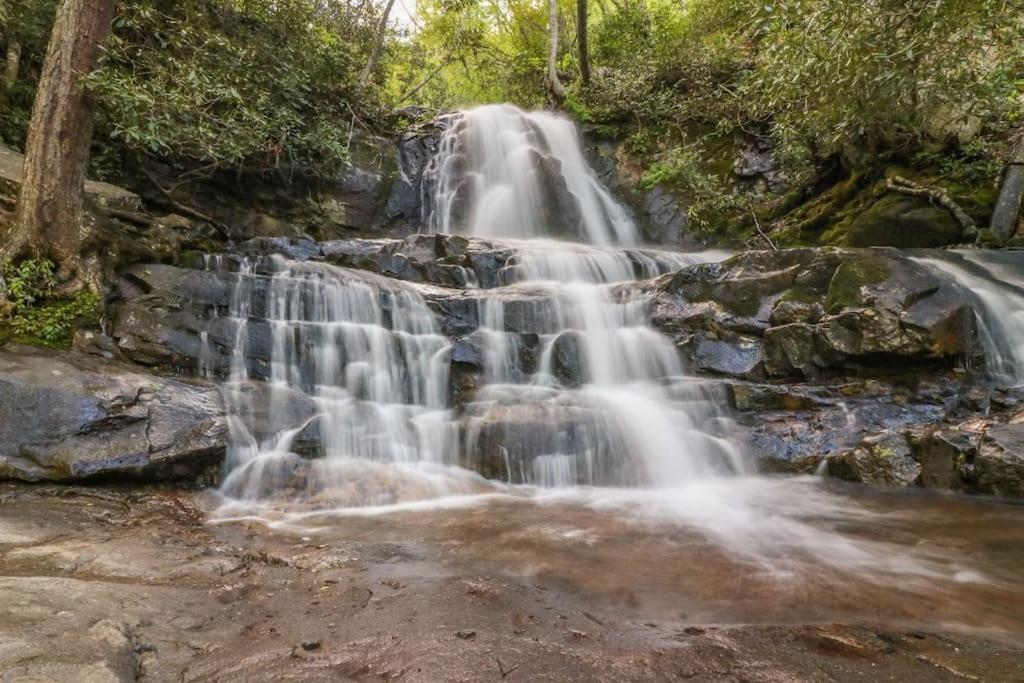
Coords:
66,416
807,312
999,465
884,459
898,220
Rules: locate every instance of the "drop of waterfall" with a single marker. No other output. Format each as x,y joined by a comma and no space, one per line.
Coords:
504,173
991,281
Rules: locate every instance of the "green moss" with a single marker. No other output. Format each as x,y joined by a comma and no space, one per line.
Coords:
850,276
36,312
801,295
988,238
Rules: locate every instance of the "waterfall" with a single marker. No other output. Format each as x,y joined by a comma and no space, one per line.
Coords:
503,173
576,389
989,278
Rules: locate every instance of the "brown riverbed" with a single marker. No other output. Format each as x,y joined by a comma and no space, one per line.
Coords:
118,584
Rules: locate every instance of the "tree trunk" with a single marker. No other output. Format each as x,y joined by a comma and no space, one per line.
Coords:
555,86
49,220
13,60
378,45
581,38
1004,217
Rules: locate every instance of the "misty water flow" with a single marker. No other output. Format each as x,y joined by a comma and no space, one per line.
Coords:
582,406
995,282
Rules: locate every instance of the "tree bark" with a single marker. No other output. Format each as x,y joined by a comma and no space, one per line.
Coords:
1004,217
378,45
555,86
49,221
581,39
12,62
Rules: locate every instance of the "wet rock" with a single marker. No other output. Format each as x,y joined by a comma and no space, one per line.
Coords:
817,311
743,357
999,466
518,442
898,220
567,364
665,217
766,397
946,456
883,460
66,416
415,149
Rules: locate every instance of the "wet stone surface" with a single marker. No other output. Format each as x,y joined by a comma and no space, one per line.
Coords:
112,584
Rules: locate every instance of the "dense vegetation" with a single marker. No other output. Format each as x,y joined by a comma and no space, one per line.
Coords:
835,88
251,85
845,95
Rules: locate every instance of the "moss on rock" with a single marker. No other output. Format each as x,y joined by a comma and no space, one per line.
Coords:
845,289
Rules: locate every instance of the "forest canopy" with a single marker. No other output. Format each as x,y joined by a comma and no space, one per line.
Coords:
264,84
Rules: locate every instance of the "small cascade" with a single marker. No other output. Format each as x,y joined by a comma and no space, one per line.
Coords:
503,173
607,400
352,357
991,280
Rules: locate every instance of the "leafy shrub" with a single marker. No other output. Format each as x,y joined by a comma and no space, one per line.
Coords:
36,313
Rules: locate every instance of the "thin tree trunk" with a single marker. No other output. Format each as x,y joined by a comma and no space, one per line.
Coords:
423,83
49,220
581,39
554,84
1004,217
378,45
12,62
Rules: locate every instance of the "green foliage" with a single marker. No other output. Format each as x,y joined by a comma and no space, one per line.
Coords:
833,74
481,51
28,23
256,85
36,313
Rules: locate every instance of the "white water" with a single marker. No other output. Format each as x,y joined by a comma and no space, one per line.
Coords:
497,169
995,281
628,431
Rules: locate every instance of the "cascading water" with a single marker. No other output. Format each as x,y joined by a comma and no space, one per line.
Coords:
358,410
604,400
503,173
992,281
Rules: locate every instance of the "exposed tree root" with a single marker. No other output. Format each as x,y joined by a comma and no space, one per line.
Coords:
941,197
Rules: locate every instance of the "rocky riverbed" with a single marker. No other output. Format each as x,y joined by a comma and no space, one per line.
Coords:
115,584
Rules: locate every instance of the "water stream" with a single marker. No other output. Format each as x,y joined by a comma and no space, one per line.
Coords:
581,402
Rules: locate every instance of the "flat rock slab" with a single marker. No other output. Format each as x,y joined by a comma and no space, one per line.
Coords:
103,584
67,416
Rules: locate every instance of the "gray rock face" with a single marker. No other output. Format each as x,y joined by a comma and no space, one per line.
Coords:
415,149
807,312
665,219
884,460
64,416
999,466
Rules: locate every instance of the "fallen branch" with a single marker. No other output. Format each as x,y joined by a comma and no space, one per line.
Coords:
940,197
130,217
757,224
187,210
505,672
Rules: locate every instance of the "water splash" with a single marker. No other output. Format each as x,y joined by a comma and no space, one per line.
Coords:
992,281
